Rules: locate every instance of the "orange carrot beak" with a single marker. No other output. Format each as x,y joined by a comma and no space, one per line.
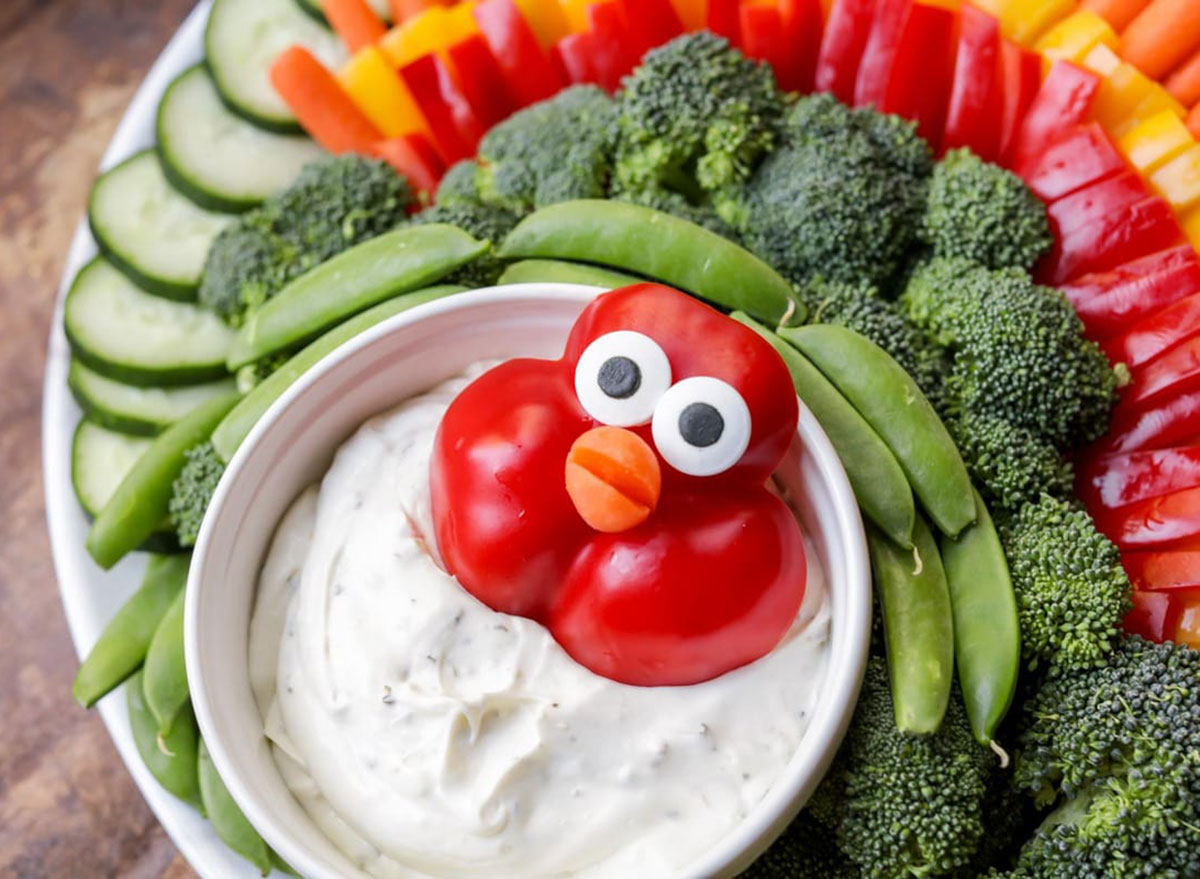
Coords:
613,479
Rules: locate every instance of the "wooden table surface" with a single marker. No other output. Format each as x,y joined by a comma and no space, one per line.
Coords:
68,809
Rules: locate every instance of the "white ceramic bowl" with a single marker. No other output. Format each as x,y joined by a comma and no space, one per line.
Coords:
292,446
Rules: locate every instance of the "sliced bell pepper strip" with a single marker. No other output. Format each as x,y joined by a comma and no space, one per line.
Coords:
879,54
1119,480
919,83
1106,242
324,110
373,84
1021,73
413,156
528,73
764,39
691,13
722,19
611,58
1178,181
1184,82
1193,121
1156,334
547,20
404,10
651,23
1191,227
572,58
1155,141
1026,20
431,31
1157,522
1075,36
481,80
1169,571
1095,201
842,46
575,12
1175,372
1081,157
1173,423
1118,13
1126,97
1101,61
974,115
1187,626
1154,616
1063,101
455,130
355,22
1162,37
803,24
1110,302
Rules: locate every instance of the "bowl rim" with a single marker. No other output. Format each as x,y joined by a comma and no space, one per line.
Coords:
843,676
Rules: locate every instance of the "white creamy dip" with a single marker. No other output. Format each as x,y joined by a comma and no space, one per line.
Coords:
429,736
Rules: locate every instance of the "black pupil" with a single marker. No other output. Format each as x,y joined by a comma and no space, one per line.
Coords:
700,424
619,377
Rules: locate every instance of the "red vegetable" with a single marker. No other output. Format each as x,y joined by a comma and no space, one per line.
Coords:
1171,423
842,47
1163,571
803,22
879,54
976,108
714,573
1021,70
413,156
1155,522
918,86
528,73
611,55
456,131
723,19
1173,373
1157,334
572,58
765,39
323,109
1119,480
1107,242
1063,101
481,80
651,23
1080,157
1095,202
1153,616
1110,301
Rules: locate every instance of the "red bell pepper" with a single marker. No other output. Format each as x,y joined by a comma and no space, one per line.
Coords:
1119,480
1175,372
456,130
1107,242
803,22
976,108
1109,302
879,54
572,58
481,80
1156,522
1063,101
1153,616
764,39
1187,626
1159,333
1169,571
723,19
651,23
842,46
919,83
611,55
1101,199
528,73
1171,423
1080,157
413,156
1021,71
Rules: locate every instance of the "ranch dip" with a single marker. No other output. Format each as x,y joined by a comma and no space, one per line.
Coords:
429,736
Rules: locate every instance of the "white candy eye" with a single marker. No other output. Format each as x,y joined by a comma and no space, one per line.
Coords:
621,377
701,426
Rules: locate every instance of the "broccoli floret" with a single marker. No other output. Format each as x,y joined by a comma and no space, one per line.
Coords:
460,185
806,850
333,204
193,490
981,212
1072,591
842,198
694,118
557,150
1010,465
902,805
485,222
253,374
1116,749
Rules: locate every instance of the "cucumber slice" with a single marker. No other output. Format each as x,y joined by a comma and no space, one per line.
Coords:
126,334
316,8
151,232
220,160
142,411
242,40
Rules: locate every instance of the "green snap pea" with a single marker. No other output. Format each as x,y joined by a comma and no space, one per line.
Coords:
165,672
350,282
918,626
987,635
890,401
656,245
139,505
878,481
234,427
227,819
122,645
171,759
558,271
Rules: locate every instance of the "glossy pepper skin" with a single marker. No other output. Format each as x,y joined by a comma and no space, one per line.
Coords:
710,581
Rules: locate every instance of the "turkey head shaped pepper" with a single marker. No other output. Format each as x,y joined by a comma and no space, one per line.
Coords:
618,495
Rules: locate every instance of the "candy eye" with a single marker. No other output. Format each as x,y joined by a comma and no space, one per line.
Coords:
621,377
701,426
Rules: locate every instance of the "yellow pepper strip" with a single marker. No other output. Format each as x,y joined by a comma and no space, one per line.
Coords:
575,12
1191,227
1178,181
546,18
1156,141
1127,97
372,83
1025,20
1101,61
1075,36
432,31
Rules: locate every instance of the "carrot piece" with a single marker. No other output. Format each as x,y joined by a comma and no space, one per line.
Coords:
355,23
1184,83
1162,36
403,10
323,109
1118,13
1193,122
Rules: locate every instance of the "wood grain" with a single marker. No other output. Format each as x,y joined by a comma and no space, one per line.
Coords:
67,69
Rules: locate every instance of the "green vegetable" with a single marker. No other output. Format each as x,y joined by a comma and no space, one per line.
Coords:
172,758
890,401
164,675
684,255
379,269
806,850
1011,465
987,635
1072,591
141,502
459,185
919,627
121,647
235,426
979,211
484,222
333,205
878,480
227,819
556,271
193,489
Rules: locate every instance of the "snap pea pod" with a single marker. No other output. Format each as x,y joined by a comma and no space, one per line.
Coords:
121,647
890,401
234,427
350,282
139,505
987,634
561,271
918,626
165,672
878,481
171,759
656,245
227,819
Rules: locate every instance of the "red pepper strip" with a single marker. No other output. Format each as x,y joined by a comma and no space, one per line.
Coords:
1175,372
1163,571
1153,616
572,57
1063,101
1021,70
413,156
803,22
1094,202
651,23
842,46
1108,242
764,39
611,57
1109,302
1081,157
481,80
323,109
355,22
879,55
919,84
1157,334
1159,521
1119,480
723,19
976,107
456,131
527,70
1172,423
